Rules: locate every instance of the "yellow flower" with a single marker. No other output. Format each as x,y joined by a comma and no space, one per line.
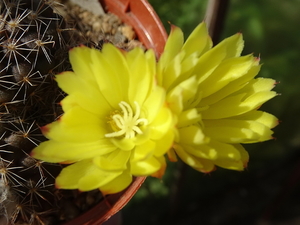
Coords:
115,123
214,98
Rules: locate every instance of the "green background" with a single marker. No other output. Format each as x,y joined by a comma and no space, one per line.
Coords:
267,192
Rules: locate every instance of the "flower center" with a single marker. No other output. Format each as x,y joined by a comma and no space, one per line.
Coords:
125,123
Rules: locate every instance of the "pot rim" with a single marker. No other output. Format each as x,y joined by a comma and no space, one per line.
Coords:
144,20
109,206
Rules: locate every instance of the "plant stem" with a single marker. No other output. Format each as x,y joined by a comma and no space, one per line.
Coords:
215,17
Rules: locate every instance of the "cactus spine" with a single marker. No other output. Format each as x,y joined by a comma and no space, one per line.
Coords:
33,47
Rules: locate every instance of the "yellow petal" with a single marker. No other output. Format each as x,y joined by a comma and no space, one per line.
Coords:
258,85
143,151
192,135
244,154
188,90
116,160
226,72
159,174
85,176
187,68
199,164
162,123
174,100
125,144
80,58
172,155
153,103
172,71
70,82
201,151
226,151
81,93
142,138
210,60
188,117
237,131
117,184
172,48
145,167
236,105
141,75
174,42
112,80
76,125
257,99
52,151
198,41
264,118
230,164
164,144
233,45
232,87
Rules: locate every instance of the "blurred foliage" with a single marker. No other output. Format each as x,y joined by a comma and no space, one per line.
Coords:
185,14
266,190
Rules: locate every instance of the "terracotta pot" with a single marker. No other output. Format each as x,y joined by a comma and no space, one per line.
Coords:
108,207
141,16
150,31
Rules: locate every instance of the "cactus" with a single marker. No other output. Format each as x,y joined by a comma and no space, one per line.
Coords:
33,47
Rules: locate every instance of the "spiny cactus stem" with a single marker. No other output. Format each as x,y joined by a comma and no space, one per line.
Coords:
32,163
12,48
15,23
35,190
41,43
26,132
6,173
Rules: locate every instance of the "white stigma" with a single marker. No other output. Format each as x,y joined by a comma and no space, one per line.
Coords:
127,124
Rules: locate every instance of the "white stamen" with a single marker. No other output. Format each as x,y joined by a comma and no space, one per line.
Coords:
127,123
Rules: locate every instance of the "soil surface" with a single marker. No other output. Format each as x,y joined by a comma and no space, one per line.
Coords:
98,28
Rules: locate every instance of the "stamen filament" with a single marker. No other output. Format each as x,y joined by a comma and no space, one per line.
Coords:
127,123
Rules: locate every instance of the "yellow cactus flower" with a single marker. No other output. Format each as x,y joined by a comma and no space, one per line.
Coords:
214,99
115,123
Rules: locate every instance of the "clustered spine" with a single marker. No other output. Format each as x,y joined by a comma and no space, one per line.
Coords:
33,46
